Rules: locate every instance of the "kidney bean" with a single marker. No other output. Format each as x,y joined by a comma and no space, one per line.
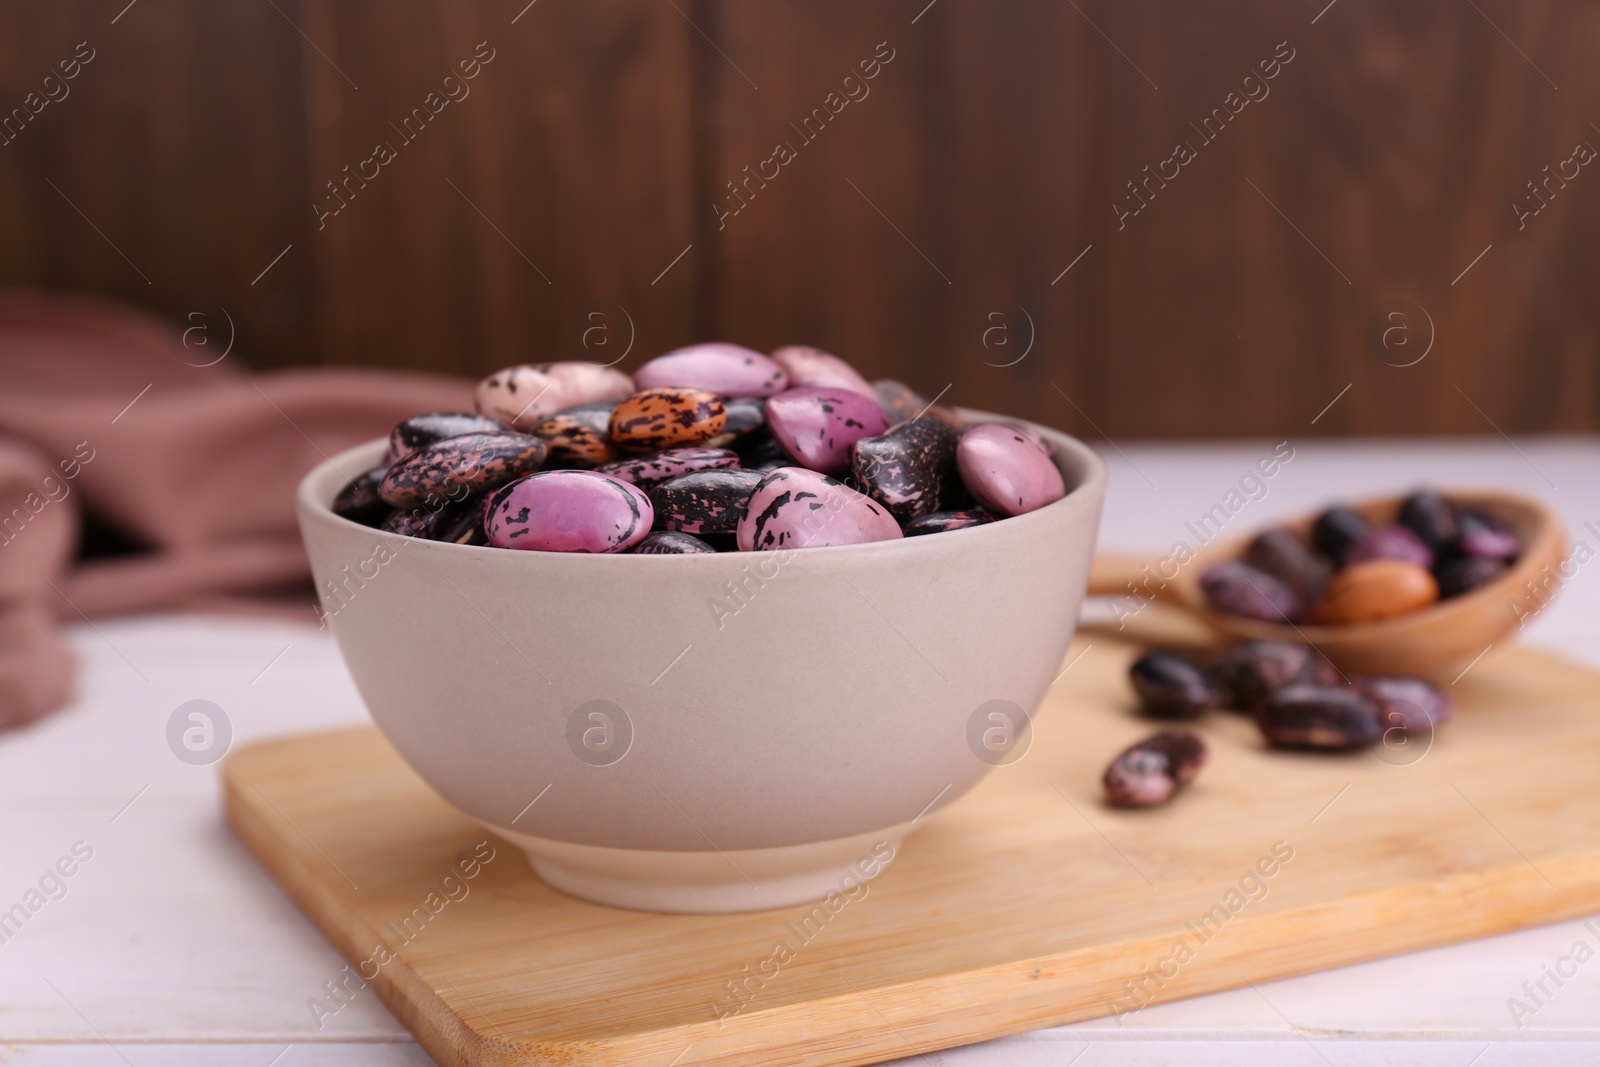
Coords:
1337,529
1172,686
1461,574
1389,542
1250,671
705,502
420,431
899,400
1480,535
1286,556
746,415
1236,588
473,462
359,501
1320,717
1429,516
1376,590
941,521
671,543
579,436
415,522
463,523
1148,773
1408,704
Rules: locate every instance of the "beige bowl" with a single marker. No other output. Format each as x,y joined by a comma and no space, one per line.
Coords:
714,732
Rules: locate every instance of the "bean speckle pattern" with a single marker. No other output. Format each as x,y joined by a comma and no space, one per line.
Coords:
818,427
807,366
523,397
724,369
672,543
420,431
1006,470
1148,773
476,461
568,511
654,419
944,521
911,469
359,501
579,436
705,502
798,508
646,471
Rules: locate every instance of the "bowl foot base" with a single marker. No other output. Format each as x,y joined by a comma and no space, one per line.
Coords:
712,882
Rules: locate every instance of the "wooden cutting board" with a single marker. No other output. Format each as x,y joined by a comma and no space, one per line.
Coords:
1024,904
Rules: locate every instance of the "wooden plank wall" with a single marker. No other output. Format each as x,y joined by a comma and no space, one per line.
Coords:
573,200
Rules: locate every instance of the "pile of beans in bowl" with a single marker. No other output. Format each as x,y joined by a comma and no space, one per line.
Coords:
1350,570
710,448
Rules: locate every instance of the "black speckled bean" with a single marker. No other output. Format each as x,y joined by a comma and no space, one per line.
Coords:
647,471
705,502
671,543
455,467
1410,705
1286,556
1431,518
1172,686
415,522
899,400
1336,530
1320,716
761,451
1480,535
909,468
1250,671
941,521
1150,772
463,523
359,501
420,431
1460,574
1235,588
746,415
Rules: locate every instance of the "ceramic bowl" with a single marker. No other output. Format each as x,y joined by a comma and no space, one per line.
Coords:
706,733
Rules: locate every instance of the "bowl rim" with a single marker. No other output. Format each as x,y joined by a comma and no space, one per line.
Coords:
1091,482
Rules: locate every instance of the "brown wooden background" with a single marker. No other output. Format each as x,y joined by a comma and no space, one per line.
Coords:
985,160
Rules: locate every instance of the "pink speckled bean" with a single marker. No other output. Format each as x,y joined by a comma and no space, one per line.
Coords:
568,511
717,367
1006,470
816,427
798,508
821,370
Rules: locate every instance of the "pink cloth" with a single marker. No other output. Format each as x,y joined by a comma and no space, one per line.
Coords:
100,414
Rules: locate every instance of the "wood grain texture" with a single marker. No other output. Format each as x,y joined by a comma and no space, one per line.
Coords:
1378,168
923,233
917,232
557,186
166,175
1025,903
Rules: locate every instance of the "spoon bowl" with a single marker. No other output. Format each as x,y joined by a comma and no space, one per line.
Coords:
1436,642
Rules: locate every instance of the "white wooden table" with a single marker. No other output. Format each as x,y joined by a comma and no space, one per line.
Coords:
170,946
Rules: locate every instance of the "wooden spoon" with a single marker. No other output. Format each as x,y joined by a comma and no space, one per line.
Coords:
1436,642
